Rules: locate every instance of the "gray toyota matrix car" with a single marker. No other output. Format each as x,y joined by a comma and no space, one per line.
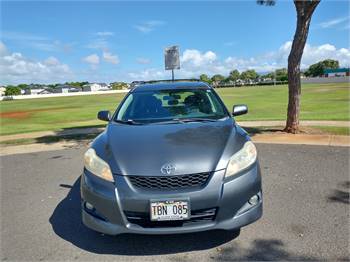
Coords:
171,160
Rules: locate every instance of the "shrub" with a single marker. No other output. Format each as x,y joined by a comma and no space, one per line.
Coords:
12,91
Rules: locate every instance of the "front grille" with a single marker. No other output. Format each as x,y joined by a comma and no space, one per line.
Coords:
169,182
197,216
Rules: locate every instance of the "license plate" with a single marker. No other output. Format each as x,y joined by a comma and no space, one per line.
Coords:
169,210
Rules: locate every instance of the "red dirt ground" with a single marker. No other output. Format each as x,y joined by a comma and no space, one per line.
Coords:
25,114
15,115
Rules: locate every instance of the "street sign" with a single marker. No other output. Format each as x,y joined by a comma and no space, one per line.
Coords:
172,59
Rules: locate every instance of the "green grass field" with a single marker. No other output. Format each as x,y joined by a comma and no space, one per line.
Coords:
319,102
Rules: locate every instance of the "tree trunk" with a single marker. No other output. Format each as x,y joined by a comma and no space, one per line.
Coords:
304,12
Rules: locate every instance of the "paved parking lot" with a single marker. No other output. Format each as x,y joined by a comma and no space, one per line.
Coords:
306,213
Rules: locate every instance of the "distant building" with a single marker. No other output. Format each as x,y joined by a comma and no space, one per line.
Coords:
336,72
2,90
265,79
34,89
240,82
60,89
136,83
250,82
96,87
46,91
66,89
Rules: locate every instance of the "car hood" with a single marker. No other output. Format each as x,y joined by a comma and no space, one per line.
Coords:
193,147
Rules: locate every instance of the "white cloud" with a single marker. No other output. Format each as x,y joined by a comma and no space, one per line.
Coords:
230,43
277,59
149,26
105,33
110,58
333,22
13,35
93,59
15,69
196,58
314,54
143,61
148,74
37,42
3,49
51,46
100,40
99,43
52,61
195,62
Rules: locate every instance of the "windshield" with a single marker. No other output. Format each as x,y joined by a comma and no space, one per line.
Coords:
165,105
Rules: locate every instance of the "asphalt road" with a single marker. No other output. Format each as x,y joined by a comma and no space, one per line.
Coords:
306,213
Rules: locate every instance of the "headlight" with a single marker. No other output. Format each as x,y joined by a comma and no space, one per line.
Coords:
242,159
97,166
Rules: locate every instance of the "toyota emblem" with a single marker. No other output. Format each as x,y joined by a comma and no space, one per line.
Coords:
167,169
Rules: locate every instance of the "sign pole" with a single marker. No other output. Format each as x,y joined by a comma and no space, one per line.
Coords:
172,74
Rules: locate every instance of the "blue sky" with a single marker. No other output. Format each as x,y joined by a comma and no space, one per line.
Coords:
124,41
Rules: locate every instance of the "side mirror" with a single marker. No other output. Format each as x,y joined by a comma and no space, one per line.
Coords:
239,110
104,115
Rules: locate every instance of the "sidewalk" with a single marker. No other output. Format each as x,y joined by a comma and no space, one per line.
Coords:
302,139
302,123
92,130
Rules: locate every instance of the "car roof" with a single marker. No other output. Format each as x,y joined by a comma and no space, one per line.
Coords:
170,85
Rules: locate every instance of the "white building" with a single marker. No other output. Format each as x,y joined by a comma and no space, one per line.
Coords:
34,89
96,87
66,89
2,90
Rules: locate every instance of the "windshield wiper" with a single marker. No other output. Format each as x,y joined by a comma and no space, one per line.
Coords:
194,119
128,122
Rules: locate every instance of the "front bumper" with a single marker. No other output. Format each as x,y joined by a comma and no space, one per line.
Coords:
228,198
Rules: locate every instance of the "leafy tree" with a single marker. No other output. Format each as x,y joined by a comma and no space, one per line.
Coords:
304,10
22,86
318,68
269,75
119,85
216,79
205,78
281,74
12,91
234,75
249,74
76,84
